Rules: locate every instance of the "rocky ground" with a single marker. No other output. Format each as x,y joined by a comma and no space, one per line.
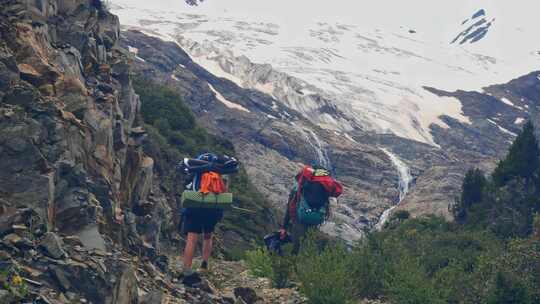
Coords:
50,267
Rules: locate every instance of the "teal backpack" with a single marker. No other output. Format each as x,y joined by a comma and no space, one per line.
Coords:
310,216
312,208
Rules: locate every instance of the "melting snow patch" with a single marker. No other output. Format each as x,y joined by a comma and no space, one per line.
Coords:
174,77
502,129
507,101
510,103
215,68
267,88
227,103
133,50
519,120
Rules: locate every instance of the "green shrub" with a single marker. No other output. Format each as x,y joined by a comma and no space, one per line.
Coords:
508,290
406,282
325,274
282,267
520,264
369,269
278,269
259,263
536,226
440,258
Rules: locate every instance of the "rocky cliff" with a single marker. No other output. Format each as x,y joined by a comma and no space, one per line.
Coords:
74,176
69,150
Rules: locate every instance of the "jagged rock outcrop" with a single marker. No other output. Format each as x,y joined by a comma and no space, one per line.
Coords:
70,148
83,215
67,114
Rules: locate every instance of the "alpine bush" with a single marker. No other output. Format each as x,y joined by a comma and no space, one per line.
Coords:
406,282
259,263
282,268
278,269
326,275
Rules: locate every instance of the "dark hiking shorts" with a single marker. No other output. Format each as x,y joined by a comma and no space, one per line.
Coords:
201,220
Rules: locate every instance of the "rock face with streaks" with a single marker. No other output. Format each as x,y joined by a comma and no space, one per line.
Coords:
67,153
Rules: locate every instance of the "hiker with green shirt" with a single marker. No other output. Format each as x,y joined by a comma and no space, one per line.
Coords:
309,202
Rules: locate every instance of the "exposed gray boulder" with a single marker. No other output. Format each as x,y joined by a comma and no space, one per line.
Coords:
126,290
52,246
90,238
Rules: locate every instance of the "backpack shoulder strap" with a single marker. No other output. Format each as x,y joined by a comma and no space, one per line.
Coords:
294,199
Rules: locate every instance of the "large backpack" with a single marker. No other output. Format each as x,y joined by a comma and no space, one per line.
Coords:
310,202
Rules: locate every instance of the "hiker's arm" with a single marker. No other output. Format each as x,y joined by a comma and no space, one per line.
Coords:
285,225
286,219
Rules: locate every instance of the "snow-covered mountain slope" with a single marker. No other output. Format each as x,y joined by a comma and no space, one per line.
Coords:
348,66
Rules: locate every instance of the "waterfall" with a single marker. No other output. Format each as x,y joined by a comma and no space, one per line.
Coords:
318,147
405,179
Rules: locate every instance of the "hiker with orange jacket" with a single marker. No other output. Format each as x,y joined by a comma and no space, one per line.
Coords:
309,202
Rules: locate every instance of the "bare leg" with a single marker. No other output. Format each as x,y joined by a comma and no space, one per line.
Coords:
189,251
207,246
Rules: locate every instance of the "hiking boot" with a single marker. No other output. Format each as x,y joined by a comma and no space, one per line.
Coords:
192,279
204,266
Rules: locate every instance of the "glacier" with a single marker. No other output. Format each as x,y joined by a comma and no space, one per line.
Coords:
369,61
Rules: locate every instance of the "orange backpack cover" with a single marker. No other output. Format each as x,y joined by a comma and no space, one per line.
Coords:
211,182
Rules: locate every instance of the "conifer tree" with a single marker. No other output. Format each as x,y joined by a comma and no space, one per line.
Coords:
508,291
523,159
472,189
516,187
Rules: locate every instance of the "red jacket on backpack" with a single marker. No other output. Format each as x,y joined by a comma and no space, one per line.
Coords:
333,188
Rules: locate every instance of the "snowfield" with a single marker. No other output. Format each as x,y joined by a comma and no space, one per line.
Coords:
371,61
